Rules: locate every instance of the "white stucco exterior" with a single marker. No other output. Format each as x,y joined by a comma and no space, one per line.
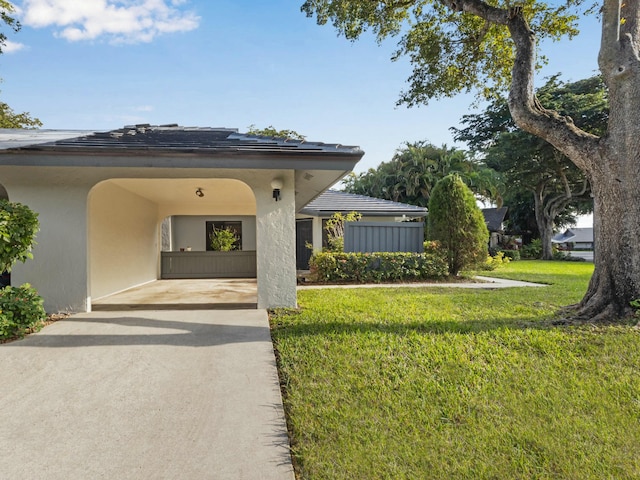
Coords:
102,198
98,238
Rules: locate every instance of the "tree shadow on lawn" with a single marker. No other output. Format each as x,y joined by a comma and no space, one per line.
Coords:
428,326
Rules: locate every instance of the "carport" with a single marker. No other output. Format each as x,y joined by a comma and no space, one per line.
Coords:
103,197
184,294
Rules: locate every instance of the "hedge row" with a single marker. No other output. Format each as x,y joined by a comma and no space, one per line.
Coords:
327,267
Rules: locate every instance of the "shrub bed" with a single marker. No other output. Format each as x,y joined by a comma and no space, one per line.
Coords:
512,255
21,311
327,267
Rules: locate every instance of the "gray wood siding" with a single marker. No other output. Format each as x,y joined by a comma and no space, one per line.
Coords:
384,237
240,264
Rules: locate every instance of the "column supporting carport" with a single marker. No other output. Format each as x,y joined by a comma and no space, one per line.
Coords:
276,235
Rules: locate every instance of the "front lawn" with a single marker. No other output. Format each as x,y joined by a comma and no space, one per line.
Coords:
408,383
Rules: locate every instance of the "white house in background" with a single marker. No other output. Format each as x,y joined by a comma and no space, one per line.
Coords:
103,196
575,239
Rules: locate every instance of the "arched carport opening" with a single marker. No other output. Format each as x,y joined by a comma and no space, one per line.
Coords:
136,225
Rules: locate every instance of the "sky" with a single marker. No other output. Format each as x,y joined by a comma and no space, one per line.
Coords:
103,64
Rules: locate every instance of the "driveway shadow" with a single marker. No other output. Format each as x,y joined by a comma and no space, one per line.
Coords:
107,330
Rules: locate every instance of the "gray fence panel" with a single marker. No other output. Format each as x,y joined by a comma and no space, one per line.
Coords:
383,237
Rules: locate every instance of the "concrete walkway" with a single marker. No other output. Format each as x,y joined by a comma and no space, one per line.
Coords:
144,395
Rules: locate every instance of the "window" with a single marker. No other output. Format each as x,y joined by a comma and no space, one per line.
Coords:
236,227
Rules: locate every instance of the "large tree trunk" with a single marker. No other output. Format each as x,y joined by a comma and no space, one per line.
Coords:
616,280
612,162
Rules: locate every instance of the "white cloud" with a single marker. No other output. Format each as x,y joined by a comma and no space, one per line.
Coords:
120,21
12,47
143,108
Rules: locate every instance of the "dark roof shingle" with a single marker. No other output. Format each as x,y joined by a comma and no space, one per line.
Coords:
331,201
178,139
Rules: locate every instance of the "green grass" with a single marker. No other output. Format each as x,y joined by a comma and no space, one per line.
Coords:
406,383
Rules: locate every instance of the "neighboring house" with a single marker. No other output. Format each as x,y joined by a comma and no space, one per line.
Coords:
103,198
494,218
575,239
311,220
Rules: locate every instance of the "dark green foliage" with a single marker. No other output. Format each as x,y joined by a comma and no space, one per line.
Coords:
512,255
450,51
415,168
21,310
541,182
18,227
378,267
458,224
533,250
20,307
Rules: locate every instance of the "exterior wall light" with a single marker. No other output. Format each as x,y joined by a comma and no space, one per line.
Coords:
199,192
277,185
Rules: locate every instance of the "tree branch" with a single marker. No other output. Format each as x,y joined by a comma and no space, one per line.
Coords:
527,112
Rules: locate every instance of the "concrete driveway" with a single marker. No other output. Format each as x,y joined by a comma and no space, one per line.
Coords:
144,395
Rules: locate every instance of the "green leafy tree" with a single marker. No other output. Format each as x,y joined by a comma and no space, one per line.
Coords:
414,170
18,228
271,131
558,188
490,46
456,222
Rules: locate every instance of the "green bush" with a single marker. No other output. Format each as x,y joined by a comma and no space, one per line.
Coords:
328,267
495,261
18,228
21,311
533,250
563,256
458,224
223,240
512,255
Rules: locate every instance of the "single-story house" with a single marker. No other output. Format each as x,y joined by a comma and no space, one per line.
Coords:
311,219
103,198
575,238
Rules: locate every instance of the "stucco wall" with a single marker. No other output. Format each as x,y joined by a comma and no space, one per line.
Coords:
59,269
189,231
276,234
123,240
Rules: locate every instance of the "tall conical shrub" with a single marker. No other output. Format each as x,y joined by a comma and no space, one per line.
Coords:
458,224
